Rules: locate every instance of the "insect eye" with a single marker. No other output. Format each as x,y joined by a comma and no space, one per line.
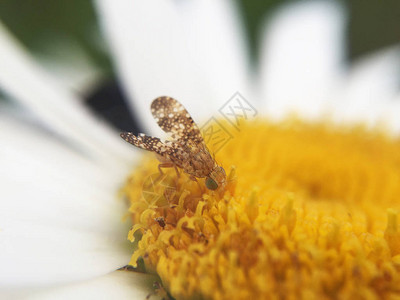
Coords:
211,184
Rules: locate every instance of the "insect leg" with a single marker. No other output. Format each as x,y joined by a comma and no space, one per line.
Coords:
195,179
165,165
177,172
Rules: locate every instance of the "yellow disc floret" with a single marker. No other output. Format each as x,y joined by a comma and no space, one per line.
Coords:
309,211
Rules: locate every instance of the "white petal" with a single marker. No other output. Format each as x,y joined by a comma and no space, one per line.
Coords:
116,285
302,54
391,116
189,50
218,46
60,110
60,220
370,87
69,64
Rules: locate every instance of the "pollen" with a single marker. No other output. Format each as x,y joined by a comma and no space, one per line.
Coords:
309,211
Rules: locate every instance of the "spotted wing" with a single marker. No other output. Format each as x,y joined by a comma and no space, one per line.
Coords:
145,142
173,118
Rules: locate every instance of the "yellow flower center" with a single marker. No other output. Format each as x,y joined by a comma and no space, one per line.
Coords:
309,211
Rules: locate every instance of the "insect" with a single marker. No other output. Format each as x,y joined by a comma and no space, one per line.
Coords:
186,149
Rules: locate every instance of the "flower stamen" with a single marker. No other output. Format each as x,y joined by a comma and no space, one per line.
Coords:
304,214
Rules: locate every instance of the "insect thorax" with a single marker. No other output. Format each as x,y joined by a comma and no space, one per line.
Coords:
195,161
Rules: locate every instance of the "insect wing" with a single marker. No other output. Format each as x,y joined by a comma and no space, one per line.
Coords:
173,118
145,142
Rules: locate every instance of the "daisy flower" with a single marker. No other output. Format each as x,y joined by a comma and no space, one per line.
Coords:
310,208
